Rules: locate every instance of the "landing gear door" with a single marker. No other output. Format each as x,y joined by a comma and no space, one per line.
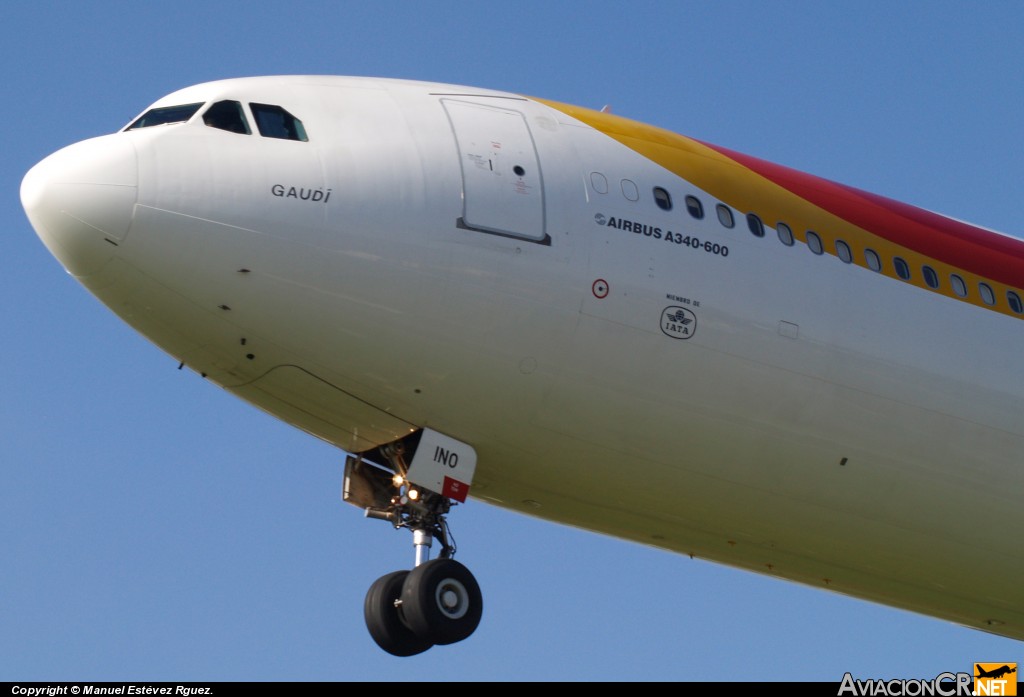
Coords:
503,191
443,465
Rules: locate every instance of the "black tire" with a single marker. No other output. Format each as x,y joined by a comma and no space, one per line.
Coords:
441,601
384,620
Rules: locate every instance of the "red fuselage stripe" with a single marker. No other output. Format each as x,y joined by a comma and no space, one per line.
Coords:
979,251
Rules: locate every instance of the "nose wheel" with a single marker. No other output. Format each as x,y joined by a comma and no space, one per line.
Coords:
441,600
383,613
437,603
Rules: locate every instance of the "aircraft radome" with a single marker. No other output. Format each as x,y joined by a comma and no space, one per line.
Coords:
577,316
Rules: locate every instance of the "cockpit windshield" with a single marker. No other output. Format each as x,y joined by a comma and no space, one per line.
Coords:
164,115
227,116
271,121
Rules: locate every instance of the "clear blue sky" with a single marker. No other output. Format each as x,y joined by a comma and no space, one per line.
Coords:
154,527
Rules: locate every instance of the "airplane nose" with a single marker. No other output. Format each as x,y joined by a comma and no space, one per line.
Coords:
80,200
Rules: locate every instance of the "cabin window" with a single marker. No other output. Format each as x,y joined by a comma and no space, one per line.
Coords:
662,198
629,190
843,252
1014,301
959,287
695,207
227,116
599,182
164,115
931,278
755,225
274,122
814,242
902,268
874,262
987,296
725,215
785,234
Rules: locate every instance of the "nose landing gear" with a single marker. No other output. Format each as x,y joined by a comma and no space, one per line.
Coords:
439,601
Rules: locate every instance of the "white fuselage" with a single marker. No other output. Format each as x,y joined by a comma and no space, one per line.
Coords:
809,419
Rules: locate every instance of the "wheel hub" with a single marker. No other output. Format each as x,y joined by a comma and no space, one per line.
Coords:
452,598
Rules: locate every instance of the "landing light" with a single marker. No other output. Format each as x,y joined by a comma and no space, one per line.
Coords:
398,480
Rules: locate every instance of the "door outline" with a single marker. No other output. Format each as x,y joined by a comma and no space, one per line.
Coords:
502,181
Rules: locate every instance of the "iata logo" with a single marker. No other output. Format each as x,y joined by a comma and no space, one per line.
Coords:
678,322
995,679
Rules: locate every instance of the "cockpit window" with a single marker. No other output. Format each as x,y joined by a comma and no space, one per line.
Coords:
227,116
165,114
274,122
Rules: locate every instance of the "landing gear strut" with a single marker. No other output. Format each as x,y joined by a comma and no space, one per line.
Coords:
439,601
